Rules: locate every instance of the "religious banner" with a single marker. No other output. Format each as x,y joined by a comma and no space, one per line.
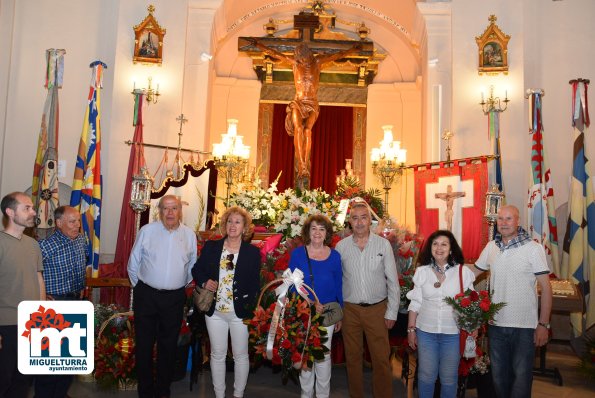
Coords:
44,189
127,229
579,247
541,208
452,197
87,184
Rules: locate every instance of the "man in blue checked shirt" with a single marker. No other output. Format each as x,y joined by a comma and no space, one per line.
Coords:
64,271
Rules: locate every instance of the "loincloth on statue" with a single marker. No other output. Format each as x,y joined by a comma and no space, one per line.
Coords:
305,107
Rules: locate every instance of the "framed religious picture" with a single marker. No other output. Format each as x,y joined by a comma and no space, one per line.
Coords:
493,49
148,40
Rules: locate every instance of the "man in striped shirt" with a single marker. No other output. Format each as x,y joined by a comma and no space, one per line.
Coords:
371,295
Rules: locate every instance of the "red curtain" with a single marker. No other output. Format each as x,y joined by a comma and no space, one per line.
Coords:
332,143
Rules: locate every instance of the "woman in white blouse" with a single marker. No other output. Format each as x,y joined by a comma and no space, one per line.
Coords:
432,328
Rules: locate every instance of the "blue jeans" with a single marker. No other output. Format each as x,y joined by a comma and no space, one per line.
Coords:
512,352
437,354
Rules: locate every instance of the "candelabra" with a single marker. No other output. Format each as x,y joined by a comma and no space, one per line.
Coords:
494,104
231,156
151,94
347,174
388,162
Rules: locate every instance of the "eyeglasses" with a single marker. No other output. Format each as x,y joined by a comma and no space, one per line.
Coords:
229,262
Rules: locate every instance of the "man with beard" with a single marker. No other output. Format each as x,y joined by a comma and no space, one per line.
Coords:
21,279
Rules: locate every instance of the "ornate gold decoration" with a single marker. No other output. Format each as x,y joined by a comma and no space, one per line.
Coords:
493,49
148,40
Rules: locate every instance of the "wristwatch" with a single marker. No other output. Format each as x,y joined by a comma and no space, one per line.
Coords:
545,325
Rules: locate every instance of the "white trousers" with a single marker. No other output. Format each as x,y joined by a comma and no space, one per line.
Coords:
219,326
321,371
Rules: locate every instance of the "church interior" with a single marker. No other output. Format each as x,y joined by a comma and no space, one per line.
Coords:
425,68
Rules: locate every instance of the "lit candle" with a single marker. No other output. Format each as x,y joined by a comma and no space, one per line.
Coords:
482,96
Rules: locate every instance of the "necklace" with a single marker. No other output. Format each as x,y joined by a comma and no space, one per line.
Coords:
441,273
232,248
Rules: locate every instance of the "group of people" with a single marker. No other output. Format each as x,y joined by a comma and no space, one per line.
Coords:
360,274
51,269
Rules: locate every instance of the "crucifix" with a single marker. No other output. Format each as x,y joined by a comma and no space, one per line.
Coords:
447,136
307,56
178,161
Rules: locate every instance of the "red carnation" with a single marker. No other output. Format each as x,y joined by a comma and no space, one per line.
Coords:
316,342
484,293
474,296
401,282
484,305
465,302
286,344
458,296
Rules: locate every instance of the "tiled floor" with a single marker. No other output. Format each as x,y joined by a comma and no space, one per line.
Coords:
263,383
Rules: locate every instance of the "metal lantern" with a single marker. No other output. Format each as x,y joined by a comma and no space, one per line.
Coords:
494,199
140,195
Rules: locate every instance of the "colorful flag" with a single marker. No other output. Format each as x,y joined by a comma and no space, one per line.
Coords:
541,208
579,241
87,184
44,189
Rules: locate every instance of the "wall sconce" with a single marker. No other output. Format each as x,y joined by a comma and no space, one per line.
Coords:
151,95
388,162
231,156
493,104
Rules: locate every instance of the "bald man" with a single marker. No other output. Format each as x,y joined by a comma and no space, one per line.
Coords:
516,264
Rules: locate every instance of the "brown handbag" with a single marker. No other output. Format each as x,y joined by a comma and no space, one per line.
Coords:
203,298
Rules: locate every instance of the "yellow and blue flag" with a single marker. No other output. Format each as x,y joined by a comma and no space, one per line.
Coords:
579,240
87,182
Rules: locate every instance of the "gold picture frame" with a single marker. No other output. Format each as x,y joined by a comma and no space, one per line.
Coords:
493,49
148,40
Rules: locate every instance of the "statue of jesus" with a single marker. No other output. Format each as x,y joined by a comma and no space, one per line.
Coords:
303,111
449,196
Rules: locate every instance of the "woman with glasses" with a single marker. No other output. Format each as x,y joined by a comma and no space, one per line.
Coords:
432,328
321,266
230,267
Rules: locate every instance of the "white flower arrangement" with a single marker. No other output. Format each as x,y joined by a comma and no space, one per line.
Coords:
295,206
257,201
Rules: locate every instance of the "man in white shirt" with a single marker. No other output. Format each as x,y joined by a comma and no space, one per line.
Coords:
159,268
516,264
371,297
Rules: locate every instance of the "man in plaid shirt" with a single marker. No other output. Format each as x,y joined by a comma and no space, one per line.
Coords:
64,271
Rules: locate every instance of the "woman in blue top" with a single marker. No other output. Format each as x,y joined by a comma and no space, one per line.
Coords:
324,275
